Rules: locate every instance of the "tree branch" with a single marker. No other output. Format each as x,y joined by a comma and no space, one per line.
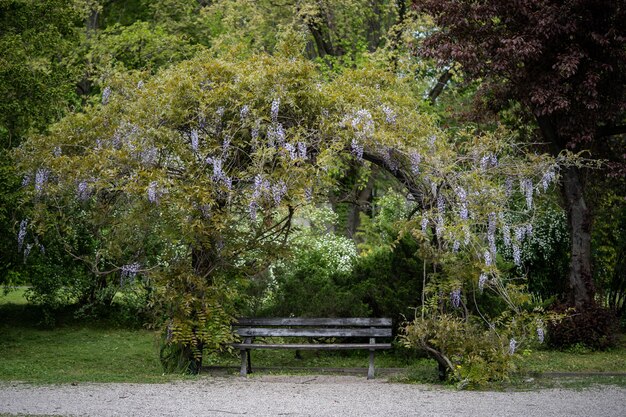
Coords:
438,88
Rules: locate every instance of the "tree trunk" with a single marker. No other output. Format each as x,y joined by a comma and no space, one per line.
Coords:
581,288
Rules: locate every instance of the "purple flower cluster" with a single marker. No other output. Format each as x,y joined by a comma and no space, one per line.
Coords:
390,115
363,123
106,93
293,152
441,204
244,112
26,180
488,161
547,178
276,135
21,235
129,272
153,192
517,254
83,191
415,159
424,223
512,346
488,258
526,187
41,177
279,190
274,110
455,298
357,149
508,186
540,333
57,151
195,140
439,226
302,151
482,280
491,232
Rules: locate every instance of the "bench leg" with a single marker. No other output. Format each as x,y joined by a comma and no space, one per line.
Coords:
244,362
370,371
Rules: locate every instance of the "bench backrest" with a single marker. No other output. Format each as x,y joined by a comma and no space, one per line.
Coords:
314,327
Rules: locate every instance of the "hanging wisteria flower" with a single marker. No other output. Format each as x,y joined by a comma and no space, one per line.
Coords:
482,280
244,112
27,250
491,232
293,152
363,123
129,272
431,140
517,255
424,224
441,204
274,109
526,187
547,178
195,140
455,246
302,150
529,229
279,190
26,180
276,135
390,115
252,208
439,227
149,155
21,235
455,298
153,193
520,233
308,194
540,333
506,235
106,93
226,144
488,258
508,186
140,84
83,192
416,159
357,149
57,151
512,346
389,160
41,177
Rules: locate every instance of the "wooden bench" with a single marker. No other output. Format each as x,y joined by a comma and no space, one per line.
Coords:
250,328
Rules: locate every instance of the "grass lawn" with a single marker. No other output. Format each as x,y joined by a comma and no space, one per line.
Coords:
77,352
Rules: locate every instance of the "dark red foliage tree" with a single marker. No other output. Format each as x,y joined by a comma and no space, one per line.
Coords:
565,61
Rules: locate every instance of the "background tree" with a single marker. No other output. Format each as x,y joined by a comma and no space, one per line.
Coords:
565,62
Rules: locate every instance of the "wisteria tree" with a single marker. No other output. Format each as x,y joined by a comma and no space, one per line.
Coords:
189,181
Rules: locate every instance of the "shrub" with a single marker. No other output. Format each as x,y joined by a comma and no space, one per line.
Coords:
592,326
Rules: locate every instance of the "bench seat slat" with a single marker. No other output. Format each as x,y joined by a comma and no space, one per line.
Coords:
351,346
296,321
314,332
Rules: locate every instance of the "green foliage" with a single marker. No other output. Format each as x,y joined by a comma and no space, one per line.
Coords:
316,281
139,46
36,81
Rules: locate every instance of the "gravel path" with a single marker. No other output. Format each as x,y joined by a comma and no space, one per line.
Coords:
336,396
